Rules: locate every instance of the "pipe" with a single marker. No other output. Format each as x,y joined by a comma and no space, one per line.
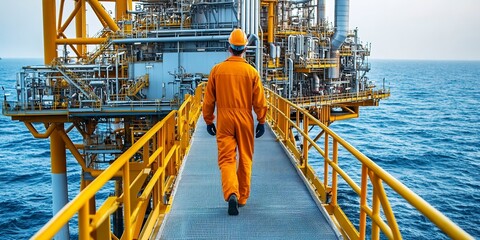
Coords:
226,30
170,39
248,13
320,12
242,15
254,37
316,85
290,77
273,51
257,16
341,23
335,71
271,17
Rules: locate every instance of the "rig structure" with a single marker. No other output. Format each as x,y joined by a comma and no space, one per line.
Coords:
114,86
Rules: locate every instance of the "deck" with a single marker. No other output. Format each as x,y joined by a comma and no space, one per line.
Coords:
280,205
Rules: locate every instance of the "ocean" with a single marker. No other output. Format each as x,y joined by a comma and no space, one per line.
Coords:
427,135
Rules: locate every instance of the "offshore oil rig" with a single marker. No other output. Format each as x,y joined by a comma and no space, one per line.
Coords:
133,92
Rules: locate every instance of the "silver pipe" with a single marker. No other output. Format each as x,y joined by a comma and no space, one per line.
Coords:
192,31
273,51
320,12
247,16
335,71
316,85
258,64
242,15
256,16
341,23
171,39
252,14
290,77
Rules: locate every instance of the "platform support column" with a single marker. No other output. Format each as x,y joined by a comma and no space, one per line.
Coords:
49,31
59,177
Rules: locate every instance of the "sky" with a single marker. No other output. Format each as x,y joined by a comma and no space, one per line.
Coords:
396,29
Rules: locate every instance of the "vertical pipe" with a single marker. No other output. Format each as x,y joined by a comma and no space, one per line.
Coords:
252,17
342,8
248,13
271,12
120,10
320,12
257,16
59,176
242,15
325,162
80,27
290,77
49,31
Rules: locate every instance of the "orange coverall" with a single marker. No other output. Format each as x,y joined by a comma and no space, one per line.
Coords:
235,86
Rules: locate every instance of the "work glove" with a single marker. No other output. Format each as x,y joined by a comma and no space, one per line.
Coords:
211,129
260,130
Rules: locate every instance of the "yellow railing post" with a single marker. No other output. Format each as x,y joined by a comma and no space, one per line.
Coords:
363,202
375,208
334,173
305,144
83,222
325,162
127,222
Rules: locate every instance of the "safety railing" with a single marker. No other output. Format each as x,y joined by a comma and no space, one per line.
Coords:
341,98
146,184
280,117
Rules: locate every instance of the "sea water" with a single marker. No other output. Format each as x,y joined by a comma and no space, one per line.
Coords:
427,135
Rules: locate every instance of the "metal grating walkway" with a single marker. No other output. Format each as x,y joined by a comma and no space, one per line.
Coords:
279,207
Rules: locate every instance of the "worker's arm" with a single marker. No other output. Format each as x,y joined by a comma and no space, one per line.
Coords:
259,102
209,100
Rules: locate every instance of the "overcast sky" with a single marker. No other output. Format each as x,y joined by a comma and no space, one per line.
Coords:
397,29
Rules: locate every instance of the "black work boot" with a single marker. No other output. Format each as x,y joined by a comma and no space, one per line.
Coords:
233,205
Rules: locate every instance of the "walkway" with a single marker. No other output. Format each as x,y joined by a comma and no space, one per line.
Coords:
280,206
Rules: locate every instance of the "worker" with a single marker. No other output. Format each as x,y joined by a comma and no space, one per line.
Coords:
234,86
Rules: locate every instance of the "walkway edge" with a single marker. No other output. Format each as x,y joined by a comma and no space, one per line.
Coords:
308,185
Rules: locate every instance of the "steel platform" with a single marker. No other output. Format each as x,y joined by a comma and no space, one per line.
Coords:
280,205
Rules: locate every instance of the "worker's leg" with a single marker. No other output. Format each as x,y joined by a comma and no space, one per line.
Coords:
227,163
245,149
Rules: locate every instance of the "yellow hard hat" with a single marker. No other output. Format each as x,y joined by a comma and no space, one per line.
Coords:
238,39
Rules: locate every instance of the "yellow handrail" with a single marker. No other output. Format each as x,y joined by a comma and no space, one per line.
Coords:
162,148
280,118
340,98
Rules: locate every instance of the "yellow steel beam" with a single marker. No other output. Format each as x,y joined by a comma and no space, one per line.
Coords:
60,14
81,27
35,133
99,17
121,7
80,41
97,6
67,22
49,31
